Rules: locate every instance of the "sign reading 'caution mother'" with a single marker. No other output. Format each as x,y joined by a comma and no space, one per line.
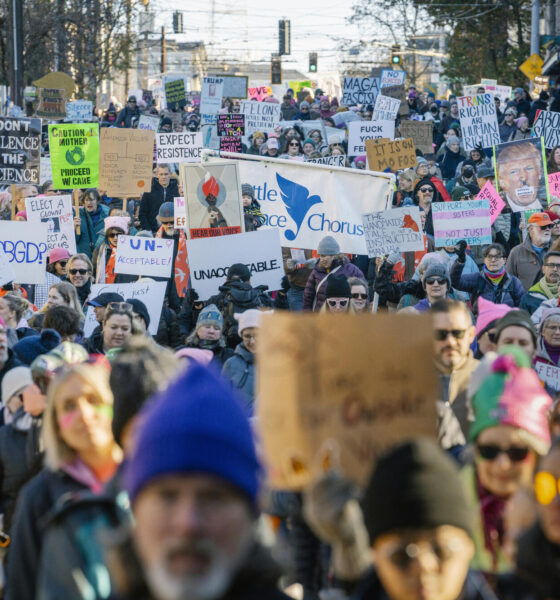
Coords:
74,151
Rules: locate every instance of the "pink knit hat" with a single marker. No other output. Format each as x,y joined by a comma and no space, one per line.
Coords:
199,355
488,312
117,223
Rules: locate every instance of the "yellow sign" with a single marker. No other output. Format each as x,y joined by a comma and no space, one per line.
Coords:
532,66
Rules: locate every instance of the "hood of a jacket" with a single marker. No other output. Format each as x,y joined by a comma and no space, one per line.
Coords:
241,292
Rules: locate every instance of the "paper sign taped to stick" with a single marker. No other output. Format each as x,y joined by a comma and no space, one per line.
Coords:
179,213
260,116
20,150
79,110
385,109
390,78
420,132
393,155
52,103
125,161
547,126
150,257
151,293
479,123
468,220
56,213
211,99
395,230
210,259
554,184
181,147
360,131
316,412
548,374
7,273
359,90
488,192
25,246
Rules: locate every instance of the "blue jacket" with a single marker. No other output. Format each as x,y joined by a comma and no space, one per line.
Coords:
240,370
86,241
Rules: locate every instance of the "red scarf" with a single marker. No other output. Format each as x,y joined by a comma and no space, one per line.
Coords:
181,267
110,267
492,510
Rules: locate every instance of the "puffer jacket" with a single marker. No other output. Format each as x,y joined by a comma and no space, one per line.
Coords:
240,370
525,263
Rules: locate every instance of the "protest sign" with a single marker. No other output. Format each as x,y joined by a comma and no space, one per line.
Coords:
547,126
385,108
7,273
360,131
399,93
554,184
231,124
213,199
179,213
394,230
46,171
393,155
332,161
390,78
479,123
148,97
125,161
178,147
231,143
79,110
260,116
52,103
488,192
307,201
175,89
210,137
520,174
420,132
146,122
468,220
210,259
149,257
359,90
345,117
502,91
74,152
151,293
548,374
193,98
259,93
211,99
313,416
236,87
25,246
56,213
20,150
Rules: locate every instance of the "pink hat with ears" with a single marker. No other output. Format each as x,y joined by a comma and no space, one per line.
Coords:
489,312
117,223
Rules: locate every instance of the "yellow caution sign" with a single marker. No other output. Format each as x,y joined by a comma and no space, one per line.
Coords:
532,67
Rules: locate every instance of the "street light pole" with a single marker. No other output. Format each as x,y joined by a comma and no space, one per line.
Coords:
17,51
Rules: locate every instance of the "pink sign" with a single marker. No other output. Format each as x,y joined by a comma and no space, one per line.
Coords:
554,184
488,192
259,93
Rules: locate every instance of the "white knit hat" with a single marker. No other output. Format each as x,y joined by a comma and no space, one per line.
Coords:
15,381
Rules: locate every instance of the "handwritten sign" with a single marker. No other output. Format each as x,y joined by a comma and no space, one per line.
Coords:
231,143
385,108
399,93
146,122
547,126
488,192
7,273
395,230
420,132
150,257
331,161
79,110
52,103
178,147
259,93
56,213
390,78
554,184
20,150
548,374
392,155
231,124
315,414
479,123
25,246
211,99
360,131
359,90
468,220
260,116
179,213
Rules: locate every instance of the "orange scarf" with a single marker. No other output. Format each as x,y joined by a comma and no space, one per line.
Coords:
110,268
181,267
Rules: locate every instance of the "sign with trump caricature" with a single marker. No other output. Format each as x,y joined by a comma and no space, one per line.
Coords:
521,179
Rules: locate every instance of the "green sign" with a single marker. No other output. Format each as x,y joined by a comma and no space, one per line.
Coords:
74,149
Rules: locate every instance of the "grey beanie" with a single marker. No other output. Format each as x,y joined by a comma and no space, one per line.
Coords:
210,315
328,246
421,160
247,190
453,139
436,271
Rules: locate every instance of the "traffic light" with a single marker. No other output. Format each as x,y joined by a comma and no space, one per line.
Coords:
177,22
396,55
313,62
275,69
284,37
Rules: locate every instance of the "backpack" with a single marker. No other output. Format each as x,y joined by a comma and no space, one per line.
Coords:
237,301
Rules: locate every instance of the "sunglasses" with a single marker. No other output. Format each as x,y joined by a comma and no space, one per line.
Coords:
167,222
441,334
432,280
62,263
76,271
113,234
545,227
359,296
332,303
547,487
294,144
491,452
119,306
426,190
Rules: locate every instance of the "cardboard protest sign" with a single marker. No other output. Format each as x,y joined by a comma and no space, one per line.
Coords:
520,174
547,126
20,150
236,87
359,90
554,184
479,122
56,213
420,132
314,415
307,201
179,213
360,131
175,89
151,293
211,99
231,124
45,171
7,273
213,199
331,161
75,155
393,155
150,257
394,230
125,161
25,246
548,374
231,143
385,109
146,122
79,110
178,147
260,116
390,78
468,220
488,192
52,103
210,259
259,93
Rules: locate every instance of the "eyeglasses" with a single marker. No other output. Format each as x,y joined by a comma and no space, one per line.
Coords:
441,334
427,190
294,144
555,266
432,280
333,302
76,271
359,296
491,452
402,555
249,336
547,487
494,257
167,222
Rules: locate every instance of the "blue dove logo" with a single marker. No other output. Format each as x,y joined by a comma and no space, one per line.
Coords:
297,200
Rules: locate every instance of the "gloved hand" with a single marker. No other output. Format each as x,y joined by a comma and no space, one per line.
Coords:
460,250
193,296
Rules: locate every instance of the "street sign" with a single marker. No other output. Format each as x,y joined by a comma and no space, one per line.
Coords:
532,66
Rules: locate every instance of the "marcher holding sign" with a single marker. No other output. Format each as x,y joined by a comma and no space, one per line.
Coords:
150,257
178,147
468,220
20,150
395,230
479,123
56,213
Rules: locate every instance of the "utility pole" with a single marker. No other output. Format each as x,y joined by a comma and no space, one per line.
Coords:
17,51
163,49
535,22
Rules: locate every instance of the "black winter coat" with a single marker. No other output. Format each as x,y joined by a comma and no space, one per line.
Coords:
152,200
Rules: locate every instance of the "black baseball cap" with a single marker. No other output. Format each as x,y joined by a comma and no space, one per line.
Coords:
105,299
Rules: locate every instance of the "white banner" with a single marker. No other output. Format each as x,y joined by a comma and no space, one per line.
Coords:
79,110
25,245
394,230
56,213
360,131
260,116
151,293
479,123
331,161
178,147
211,99
210,259
150,257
